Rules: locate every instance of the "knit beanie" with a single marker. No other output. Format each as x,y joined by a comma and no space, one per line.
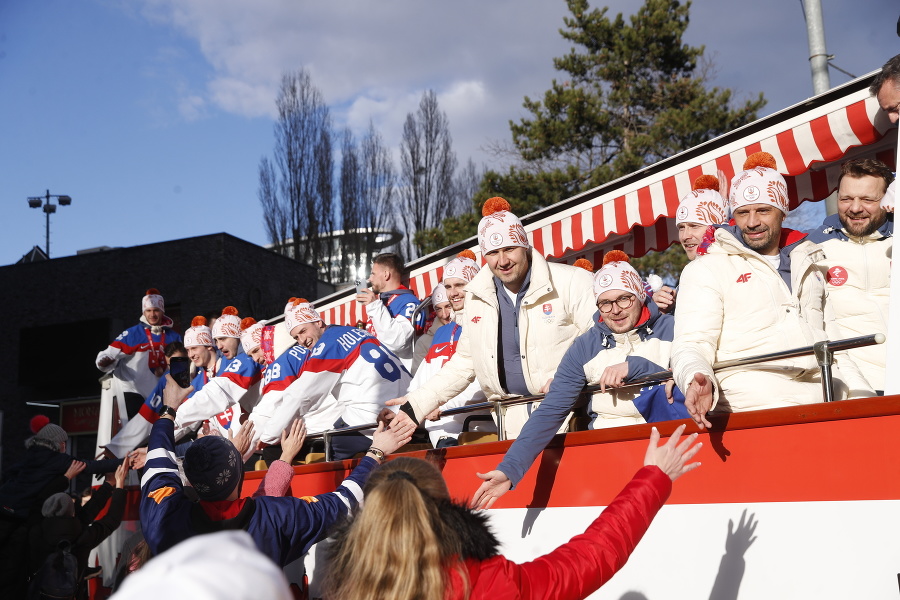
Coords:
198,334
58,505
439,295
228,325
298,311
52,433
463,266
251,334
499,228
759,183
617,274
214,467
153,300
703,204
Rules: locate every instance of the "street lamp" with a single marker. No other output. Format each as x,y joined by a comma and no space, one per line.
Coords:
38,201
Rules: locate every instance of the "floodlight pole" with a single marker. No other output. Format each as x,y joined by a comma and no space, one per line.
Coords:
49,208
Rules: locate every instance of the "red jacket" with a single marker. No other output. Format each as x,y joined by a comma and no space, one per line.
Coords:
579,567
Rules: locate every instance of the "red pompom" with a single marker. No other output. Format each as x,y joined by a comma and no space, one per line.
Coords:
247,322
296,301
493,205
585,264
760,159
615,256
199,321
152,292
706,182
38,422
467,254
229,310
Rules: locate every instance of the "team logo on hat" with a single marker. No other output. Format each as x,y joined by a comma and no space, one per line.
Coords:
751,193
496,239
682,212
605,280
450,271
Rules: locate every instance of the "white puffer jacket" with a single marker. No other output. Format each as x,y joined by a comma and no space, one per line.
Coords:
857,273
557,308
734,304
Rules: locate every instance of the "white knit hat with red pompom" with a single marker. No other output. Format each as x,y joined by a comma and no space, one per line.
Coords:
499,228
759,183
703,204
228,325
299,311
618,274
251,334
198,334
463,266
153,299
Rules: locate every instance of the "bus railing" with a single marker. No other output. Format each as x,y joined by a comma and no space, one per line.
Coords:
823,351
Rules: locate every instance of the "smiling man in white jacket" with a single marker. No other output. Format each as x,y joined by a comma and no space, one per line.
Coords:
521,315
755,289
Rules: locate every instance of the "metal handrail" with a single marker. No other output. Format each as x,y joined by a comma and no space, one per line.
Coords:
823,351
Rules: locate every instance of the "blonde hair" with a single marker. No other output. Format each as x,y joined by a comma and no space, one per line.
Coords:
397,547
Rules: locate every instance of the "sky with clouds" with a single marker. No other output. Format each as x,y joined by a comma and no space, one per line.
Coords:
153,114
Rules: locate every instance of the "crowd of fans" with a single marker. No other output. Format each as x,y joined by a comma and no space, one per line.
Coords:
520,326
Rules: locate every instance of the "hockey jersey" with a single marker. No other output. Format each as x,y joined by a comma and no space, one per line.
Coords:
390,320
278,378
282,528
138,428
137,354
443,346
349,364
237,382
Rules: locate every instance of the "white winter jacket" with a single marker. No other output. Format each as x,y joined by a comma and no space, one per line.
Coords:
557,308
857,273
734,304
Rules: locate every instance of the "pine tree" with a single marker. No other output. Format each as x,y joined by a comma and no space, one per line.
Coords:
634,94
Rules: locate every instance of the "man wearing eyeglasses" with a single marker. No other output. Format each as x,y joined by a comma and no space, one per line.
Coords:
630,339
857,242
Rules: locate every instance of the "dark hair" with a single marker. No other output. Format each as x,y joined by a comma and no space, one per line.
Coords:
173,347
889,72
861,167
392,261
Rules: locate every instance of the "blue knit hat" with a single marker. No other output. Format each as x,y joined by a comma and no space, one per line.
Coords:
214,467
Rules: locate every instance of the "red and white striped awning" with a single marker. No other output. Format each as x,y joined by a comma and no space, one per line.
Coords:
635,213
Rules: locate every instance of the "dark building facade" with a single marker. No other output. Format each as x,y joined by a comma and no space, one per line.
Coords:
58,314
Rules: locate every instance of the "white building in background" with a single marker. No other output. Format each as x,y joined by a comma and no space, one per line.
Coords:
341,266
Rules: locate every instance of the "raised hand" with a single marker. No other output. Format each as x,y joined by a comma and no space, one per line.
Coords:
392,439
672,457
243,438
121,474
292,440
74,469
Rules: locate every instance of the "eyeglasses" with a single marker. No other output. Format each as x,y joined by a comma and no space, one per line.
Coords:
622,302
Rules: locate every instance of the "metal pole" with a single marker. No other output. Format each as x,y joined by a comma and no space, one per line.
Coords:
825,358
499,410
818,56
818,64
47,235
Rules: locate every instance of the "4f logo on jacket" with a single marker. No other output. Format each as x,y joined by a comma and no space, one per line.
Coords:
476,319
743,278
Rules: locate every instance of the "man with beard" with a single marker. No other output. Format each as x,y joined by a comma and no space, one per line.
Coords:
857,242
756,288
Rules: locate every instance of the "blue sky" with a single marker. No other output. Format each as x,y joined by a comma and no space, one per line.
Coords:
153,114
